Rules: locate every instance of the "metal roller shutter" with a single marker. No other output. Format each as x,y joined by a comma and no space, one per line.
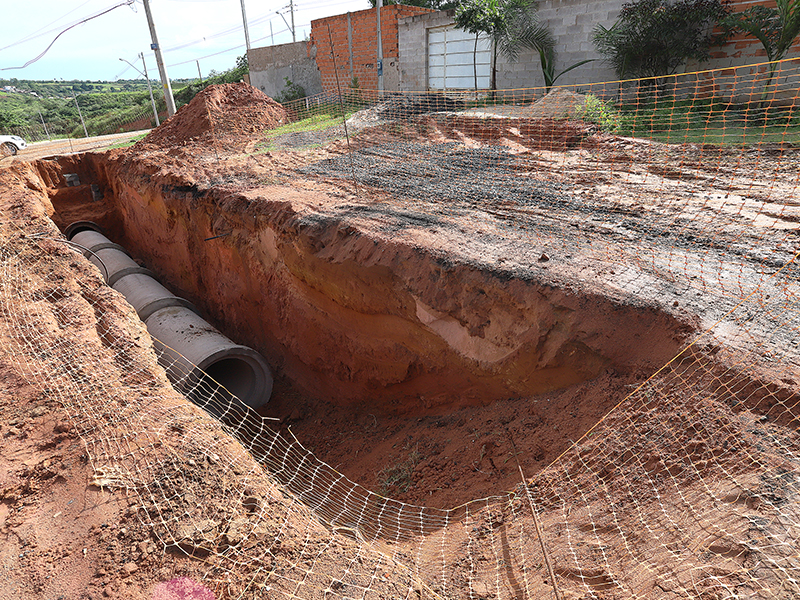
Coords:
450,56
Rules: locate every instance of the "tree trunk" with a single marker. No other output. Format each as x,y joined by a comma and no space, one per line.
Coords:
475,65
493,83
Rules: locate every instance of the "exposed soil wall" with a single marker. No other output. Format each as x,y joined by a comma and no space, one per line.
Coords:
349,315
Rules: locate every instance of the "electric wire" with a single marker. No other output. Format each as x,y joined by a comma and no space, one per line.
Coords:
41,31
33,60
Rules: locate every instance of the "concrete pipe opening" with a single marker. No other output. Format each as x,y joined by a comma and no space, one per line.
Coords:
78,226
205,365
202,363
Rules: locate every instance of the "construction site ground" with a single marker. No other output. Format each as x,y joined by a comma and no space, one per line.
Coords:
456,299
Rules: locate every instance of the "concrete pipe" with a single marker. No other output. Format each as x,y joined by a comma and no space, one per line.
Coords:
200,361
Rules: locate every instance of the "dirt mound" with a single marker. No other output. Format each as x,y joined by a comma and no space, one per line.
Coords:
560,103
404,105
220,111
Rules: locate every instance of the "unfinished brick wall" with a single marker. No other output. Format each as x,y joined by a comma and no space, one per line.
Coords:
355,47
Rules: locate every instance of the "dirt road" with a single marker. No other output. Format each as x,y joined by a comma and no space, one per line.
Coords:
62,147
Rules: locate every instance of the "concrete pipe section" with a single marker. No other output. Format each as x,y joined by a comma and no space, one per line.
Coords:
200,362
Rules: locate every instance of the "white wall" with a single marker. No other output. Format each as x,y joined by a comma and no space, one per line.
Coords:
570,21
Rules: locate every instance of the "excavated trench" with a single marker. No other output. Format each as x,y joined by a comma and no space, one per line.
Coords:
411,371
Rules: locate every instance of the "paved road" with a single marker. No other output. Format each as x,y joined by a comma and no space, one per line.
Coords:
71,146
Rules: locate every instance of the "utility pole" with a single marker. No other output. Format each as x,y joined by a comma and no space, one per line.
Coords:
47,133
246,33
162,69
378,6
80,114
150,89
291,10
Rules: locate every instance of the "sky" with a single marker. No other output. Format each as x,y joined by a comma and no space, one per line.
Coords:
210,32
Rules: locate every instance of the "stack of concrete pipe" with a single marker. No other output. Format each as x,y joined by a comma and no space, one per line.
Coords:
198,359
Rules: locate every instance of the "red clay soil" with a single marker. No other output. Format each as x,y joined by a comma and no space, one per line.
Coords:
230,111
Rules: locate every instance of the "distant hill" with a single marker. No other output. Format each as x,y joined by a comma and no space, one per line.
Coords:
68,89
38,110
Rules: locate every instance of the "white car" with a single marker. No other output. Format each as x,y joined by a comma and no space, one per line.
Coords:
11,144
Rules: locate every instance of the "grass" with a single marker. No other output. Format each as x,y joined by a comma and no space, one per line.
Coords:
313,123
705,121
396,479
734,135
318,122
128,143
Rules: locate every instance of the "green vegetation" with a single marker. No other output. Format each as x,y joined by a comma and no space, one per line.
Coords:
106,107
396,479
317,122
547,58
313,123
234,75
129,142
511,25
652,38
603,114
291,91
68,89
102,112
711,121
776,28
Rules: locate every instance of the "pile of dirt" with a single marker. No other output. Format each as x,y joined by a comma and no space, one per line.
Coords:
220,112
560,103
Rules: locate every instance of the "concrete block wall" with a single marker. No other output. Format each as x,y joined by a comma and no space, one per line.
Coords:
405,40
412,39
355,49
572,23
270,65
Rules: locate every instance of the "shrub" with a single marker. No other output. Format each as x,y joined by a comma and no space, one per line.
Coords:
652,38
291,91
603,114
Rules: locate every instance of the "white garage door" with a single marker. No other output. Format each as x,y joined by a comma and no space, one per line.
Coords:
450,59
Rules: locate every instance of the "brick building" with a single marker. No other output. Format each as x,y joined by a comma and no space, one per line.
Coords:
354,40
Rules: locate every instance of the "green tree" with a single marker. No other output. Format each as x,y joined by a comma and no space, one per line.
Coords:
776,28
511,25
652,38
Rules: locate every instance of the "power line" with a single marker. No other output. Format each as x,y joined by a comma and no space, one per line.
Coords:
81,22
40,32
239,47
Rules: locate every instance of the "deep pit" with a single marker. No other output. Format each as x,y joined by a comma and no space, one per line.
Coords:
414,345
422,325
409,371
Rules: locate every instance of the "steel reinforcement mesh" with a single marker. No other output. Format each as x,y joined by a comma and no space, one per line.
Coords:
684,187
